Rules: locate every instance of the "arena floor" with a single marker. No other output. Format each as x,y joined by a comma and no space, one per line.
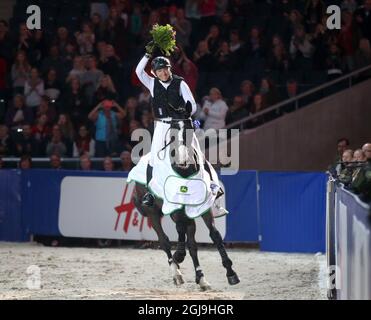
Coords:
126,273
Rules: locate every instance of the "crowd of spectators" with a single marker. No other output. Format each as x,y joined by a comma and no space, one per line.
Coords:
352,168
70,90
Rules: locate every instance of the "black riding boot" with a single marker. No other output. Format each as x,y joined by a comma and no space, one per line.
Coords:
148,199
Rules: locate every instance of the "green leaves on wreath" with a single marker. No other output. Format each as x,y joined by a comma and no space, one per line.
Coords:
164,38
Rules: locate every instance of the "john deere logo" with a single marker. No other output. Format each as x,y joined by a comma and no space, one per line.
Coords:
183,189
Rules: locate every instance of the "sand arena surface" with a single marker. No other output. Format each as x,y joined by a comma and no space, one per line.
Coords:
126,273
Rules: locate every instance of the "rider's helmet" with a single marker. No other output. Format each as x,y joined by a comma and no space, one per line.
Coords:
159,63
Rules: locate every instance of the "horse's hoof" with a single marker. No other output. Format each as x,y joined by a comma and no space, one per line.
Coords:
204,285
178,280
233,279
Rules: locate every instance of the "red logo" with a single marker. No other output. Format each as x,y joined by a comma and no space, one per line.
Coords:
133,218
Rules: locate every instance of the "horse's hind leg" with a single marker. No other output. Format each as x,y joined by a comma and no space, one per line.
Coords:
218,241
192,247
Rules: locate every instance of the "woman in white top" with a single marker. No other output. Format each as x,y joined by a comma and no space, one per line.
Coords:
214,110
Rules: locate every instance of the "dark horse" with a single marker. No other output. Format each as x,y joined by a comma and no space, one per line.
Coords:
186,229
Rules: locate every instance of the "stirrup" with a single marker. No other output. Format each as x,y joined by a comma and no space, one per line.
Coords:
148,200
219,211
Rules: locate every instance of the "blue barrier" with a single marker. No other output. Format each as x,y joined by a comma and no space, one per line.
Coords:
241,200
352,246
292,211
287,214
12,226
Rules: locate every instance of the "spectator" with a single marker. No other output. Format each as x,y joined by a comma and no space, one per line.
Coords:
269,91
363,18
26,144
187,69
258,106
85,39
349,5
126,163
247,92
347,167
24,41
25,162
91,79
78,70
18,114
342,145
111,65
300,45
106,90
203,58
347,156
6,142
361,183
132,113
116,31
145,97
56,144
85,162
254,48
237,111
366,148
62,40
359,156
41,132
147,122
74,103
106,121
363,56
224,58
183,28
34,89
334,63
54,61
20,72
314,11
235,44
6,46
97,26
136,22
348,40
83,143
52,86
55,161
66,127
3,77
108,164
46,108
214,110
292,90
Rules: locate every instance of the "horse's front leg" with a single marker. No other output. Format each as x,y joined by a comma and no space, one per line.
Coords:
192,247
181,228
165,245
218,241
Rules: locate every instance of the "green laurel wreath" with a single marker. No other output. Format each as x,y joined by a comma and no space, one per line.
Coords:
163,38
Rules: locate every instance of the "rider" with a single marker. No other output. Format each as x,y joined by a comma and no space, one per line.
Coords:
172,101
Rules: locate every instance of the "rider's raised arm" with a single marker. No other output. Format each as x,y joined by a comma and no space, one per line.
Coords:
143,76
188,96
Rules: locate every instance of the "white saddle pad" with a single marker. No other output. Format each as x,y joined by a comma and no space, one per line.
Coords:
179,190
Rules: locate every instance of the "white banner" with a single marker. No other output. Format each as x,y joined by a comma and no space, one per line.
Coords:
102,207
